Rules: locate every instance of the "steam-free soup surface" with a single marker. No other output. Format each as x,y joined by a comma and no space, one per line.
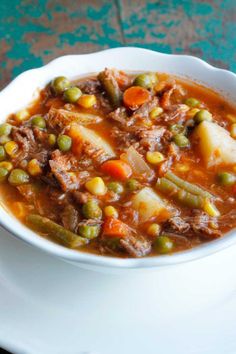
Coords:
122,165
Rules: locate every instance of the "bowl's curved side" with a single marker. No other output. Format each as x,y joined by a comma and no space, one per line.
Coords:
21,91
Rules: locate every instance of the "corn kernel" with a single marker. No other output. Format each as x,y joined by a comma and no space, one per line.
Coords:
110,211
154,157
231,118
191,113
182,167
87,101
11,148
210,209
147,123
19,209
153,230
155,112
233,130
7,165
34,167
96,186
21,115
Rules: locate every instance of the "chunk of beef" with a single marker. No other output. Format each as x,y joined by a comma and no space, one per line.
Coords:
202,224
150,138
28,147
67,162
70,218
90,86
59,119
93,152
128,214
80,197
61,166
119,115
175,114
136,245
177,224
143,111
170,93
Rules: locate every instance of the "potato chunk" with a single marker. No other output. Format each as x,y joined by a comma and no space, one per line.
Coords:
148,203
82,136
215,144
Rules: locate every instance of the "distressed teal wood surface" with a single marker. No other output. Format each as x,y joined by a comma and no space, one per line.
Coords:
34,32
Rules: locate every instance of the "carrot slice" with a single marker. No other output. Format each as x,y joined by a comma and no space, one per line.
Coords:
135,96
114,228
117,169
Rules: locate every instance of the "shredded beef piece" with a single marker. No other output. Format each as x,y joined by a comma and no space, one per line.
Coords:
200,223
150,139
70,218
40,135
119,115
175,114
130,215
172,154
61,166
66,180
50,179
60,118
144,110
28,147
96,154
123,138
81,197
66,161
170,91
136,245
90,86
178,224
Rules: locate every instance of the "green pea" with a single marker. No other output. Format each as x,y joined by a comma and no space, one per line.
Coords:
181,140
3,174
132,185
72,94
147,80
115,187
163,244
226,179
91,210
177,129
202,115
192,102
38,122
4,139
18,177
89,231
5,129
52,139
64,142
60,84
2,153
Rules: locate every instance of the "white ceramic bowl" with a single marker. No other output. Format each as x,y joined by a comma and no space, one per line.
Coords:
22,90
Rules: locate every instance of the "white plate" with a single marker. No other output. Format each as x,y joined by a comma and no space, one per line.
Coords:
48,306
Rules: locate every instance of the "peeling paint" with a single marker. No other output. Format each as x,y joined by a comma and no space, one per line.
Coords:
33,35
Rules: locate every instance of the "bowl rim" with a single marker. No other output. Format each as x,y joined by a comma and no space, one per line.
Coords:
32,238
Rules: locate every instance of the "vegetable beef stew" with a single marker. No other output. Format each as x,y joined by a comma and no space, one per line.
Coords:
122,165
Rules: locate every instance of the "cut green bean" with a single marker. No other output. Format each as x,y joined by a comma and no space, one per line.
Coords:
49,227
189,187
111,87
180,195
